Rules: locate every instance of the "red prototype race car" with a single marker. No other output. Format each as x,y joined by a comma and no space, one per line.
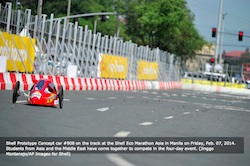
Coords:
43,92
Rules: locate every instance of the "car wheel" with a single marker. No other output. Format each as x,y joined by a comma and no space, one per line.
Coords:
15,92
60,95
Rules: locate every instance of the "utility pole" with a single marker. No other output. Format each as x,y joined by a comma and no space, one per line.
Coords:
221,42
68,10
117,26
218,33
39,13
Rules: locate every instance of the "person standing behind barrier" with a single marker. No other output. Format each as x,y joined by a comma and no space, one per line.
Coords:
92,70
43,66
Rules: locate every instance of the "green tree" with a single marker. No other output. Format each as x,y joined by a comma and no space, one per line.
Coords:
59,9
167,24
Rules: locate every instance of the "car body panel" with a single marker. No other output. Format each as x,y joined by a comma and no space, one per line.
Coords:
43,93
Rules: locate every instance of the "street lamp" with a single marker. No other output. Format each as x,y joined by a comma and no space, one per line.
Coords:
102,19
221,42
68,9
218,34
95,24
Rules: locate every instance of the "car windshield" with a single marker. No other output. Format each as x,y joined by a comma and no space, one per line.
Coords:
40,85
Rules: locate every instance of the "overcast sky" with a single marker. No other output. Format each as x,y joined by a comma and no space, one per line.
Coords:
237,18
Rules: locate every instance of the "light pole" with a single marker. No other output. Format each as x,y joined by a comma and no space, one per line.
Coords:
39,13
222,31
39,8
218,33
95,24
68,10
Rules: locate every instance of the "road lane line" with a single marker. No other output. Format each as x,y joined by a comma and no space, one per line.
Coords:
130,97
118,160
168,117
102,109
122,134
112,97
186,113
90,98
146,123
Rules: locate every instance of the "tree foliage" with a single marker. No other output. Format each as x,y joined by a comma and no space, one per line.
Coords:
167,24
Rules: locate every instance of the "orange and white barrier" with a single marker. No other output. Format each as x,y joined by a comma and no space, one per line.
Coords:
8,81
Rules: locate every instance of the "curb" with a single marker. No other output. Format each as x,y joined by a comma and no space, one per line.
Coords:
209,88
8,81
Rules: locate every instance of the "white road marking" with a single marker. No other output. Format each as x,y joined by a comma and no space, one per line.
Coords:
144,91
197,110
102,109
168,117
145,97
112,97
145,123
118,160
115,158
155,93
90,98
183,95
122,134
186,113
158,96
234,109
66,99
174,95
21,101
130,97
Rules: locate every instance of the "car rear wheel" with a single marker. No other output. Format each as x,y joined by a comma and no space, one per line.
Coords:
15,92
60,95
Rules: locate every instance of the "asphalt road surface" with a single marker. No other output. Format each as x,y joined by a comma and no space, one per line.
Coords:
175,113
